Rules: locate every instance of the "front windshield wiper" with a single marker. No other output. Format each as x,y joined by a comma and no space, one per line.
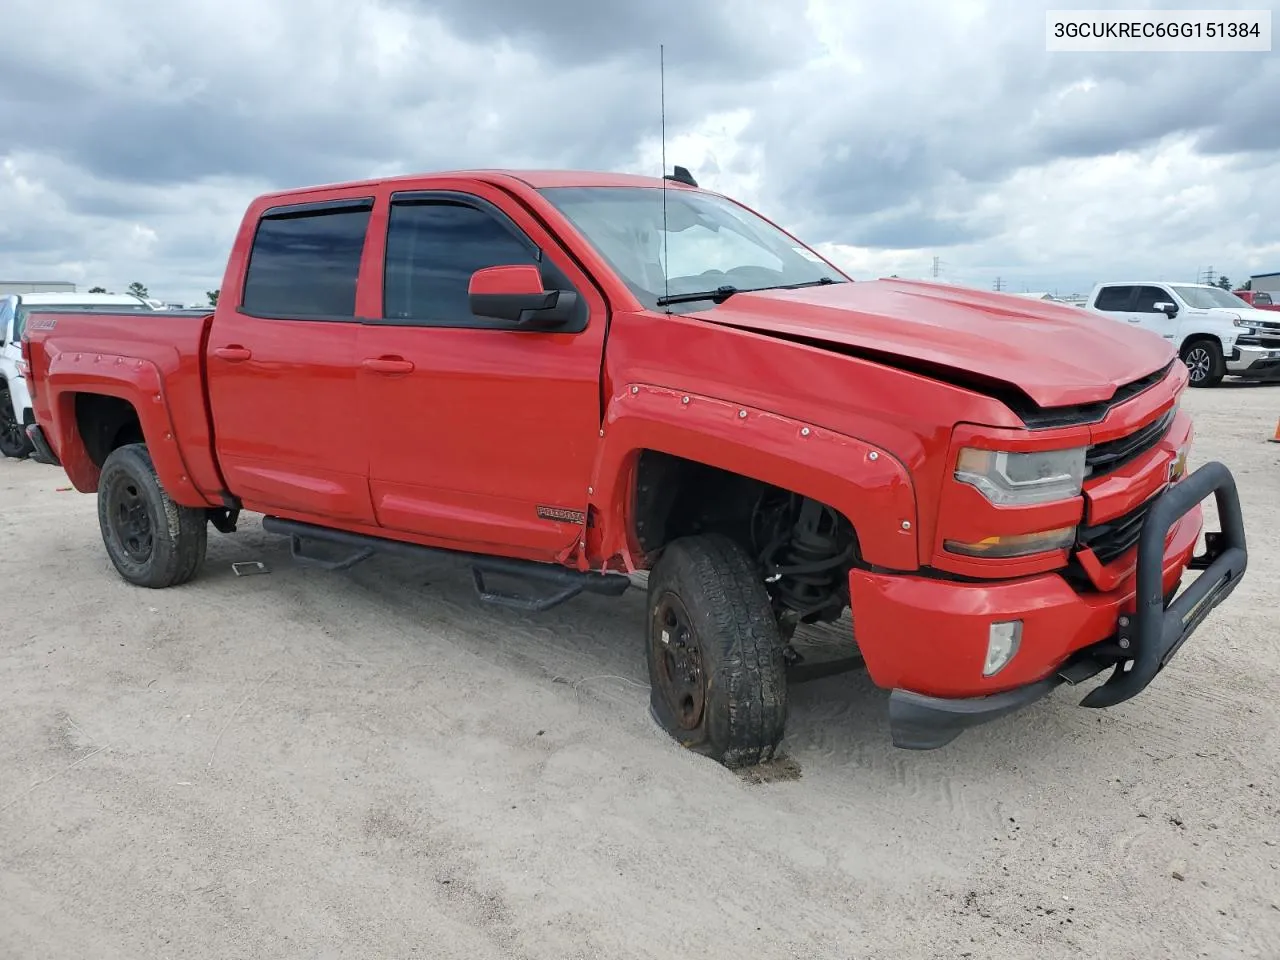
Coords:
820,282
719,295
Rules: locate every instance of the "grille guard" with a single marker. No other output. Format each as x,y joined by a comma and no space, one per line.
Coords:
1156,630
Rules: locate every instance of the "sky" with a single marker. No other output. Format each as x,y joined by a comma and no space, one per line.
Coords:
883,133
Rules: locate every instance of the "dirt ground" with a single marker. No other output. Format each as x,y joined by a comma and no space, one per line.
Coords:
371,764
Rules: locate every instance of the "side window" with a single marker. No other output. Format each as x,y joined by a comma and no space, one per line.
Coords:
1114,298
1262,299
305,263
1148,297
433,248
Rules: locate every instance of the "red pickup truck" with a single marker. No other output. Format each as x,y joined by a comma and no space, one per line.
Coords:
1258,299
566,378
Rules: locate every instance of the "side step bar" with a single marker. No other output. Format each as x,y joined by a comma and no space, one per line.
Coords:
566,583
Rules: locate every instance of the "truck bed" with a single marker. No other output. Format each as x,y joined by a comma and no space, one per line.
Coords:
154,363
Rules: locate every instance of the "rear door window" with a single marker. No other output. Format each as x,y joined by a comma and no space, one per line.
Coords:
1114,299
305,261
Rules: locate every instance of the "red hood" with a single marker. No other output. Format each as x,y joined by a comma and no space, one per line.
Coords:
1058,355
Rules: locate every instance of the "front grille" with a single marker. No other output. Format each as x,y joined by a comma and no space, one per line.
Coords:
1110,540
1111,455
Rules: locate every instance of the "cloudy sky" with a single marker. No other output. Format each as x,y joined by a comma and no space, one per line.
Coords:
887,133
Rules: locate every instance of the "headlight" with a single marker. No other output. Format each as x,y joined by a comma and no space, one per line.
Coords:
1018,479
1247,324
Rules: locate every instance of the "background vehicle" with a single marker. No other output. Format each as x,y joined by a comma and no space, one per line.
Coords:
567,377
1258,299
15,402
1216,333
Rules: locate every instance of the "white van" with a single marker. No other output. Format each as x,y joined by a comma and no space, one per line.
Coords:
15,401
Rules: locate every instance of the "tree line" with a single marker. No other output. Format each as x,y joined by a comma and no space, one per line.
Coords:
140,290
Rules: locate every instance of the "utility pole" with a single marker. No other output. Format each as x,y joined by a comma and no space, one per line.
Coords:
1208,276
937,267
999,284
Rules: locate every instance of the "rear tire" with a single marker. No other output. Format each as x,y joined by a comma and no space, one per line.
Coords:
14,442
717,676
152,541
1205,364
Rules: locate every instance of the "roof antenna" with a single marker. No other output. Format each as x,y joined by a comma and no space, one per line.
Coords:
662,95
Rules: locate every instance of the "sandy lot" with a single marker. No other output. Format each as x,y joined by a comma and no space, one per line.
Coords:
372,764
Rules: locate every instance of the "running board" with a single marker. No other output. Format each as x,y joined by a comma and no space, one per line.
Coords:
304,537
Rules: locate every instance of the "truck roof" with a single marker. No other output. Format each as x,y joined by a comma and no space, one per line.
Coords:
1167,283
537,179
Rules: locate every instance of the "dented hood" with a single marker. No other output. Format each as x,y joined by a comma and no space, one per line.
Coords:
1058,355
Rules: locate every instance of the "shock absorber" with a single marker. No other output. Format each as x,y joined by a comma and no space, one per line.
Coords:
805,564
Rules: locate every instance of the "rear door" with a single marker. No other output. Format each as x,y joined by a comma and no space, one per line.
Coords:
282,365
478,432
1116,302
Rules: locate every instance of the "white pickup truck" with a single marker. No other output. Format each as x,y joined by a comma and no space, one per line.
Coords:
1217,333
15,402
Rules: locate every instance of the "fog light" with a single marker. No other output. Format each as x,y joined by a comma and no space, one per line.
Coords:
1002,643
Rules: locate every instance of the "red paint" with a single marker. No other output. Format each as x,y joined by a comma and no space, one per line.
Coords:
1251,298
497,441
506,281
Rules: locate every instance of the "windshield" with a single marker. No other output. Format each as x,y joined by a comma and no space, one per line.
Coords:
709,242
1206,298
20,320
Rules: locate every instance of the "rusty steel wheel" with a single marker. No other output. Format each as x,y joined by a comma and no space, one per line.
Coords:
681,679
717,677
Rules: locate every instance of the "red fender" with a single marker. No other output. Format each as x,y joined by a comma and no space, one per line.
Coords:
140,383
866,484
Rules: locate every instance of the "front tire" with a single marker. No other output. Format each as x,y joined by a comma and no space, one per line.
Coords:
14,442
717,676
152,541
1205,364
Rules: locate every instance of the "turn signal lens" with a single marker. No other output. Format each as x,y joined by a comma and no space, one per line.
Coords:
1015,545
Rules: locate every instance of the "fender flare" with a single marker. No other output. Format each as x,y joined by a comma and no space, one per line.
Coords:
868,485
137,382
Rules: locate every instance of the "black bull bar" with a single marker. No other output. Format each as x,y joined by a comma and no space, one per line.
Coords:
1156,631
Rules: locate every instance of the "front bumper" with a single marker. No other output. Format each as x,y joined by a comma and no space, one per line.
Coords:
926,640
1254,362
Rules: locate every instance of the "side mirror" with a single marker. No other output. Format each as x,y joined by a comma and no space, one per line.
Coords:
515,293
1168,309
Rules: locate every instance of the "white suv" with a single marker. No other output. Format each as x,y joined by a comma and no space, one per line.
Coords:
15,401
1217,334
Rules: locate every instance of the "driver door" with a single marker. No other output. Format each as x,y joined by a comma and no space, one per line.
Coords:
1144,312
478,432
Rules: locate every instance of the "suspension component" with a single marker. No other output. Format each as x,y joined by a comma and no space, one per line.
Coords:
805,558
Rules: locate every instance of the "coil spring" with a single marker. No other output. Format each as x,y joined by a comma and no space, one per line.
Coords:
806,564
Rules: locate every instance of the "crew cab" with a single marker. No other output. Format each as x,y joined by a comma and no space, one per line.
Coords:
15,403
567,378
1217,334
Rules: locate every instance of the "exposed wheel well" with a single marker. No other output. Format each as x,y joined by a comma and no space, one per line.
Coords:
1193,338
106,423
804,548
